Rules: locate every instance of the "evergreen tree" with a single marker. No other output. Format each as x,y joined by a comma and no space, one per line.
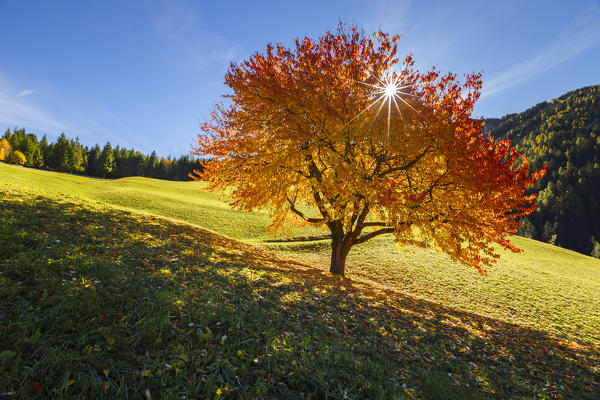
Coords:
74,156
93,164
69,155
58,160
153,165
107,160
43,146
549,234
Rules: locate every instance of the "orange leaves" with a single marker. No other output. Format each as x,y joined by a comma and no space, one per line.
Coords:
305,130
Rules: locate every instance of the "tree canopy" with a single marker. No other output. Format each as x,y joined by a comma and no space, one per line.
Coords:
331,132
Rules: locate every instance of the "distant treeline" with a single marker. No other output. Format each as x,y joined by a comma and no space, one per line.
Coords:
68,155
563,134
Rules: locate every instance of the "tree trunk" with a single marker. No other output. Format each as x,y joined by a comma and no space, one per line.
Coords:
339,252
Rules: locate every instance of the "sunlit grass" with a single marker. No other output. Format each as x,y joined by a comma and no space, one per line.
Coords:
100,302
546,287
185,201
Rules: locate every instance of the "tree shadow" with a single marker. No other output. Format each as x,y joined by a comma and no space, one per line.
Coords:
211,312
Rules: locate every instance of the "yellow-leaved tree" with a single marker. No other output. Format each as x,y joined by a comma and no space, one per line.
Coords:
18,158
332,132
4,150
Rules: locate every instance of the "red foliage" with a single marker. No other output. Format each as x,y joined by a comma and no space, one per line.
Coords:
304,135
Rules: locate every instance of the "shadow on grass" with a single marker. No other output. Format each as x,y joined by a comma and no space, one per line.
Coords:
98,302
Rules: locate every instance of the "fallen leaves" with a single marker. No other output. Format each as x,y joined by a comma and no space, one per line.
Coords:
37,386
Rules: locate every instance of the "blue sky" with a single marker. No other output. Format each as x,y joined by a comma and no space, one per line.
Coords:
144,74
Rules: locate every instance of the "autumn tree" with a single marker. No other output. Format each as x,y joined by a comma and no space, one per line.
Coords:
167,166
333,132
4,150
16,157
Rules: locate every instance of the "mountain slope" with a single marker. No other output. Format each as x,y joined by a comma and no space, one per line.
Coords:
563,134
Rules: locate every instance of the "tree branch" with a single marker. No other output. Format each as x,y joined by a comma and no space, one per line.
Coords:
405,166
367,224
371,235
301,214
357,227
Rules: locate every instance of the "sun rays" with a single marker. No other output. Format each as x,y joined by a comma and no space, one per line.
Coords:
390,89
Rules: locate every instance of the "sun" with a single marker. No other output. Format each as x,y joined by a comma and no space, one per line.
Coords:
390,89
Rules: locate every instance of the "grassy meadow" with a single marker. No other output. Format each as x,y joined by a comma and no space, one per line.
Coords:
138,288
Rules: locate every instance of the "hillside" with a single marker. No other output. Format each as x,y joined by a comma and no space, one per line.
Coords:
100,302
546,287
563,134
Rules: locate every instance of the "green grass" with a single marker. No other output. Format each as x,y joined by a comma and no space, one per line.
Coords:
98,302
185,201
546,287
94,295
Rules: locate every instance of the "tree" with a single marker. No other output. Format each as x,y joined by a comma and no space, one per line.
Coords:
69,155
27,144
167,167
107,160
58,160
37,157
153,165
43,146
18,158
4,150
93,166
562,134
74,156
549,235
595,248
326,133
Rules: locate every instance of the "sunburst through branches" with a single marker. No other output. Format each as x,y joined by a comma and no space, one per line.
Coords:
389,89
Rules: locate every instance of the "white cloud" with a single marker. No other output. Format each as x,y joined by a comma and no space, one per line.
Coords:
56,115
579,36
16,113
26,92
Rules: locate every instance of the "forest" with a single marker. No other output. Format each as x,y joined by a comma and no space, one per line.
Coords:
68,155
563,134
